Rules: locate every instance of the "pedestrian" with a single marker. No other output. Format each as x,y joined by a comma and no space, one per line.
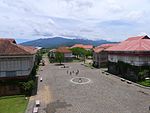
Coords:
67,71
80,80
76,73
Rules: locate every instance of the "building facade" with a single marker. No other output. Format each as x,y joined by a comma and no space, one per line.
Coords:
67,53
100,56
16,63
129,57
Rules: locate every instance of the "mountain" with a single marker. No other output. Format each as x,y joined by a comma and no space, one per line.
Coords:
61,41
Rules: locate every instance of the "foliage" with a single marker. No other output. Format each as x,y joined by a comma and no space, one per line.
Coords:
39,56
28,86
145,83
88,53
143,74
13,104
59,57
79,52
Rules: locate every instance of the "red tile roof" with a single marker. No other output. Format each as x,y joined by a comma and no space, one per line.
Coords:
63,50
83,46
139,43
8,47
102,47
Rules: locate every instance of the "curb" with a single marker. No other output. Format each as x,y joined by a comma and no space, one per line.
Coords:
88,66
128,81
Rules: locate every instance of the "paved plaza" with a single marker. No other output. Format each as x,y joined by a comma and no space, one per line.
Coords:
102,94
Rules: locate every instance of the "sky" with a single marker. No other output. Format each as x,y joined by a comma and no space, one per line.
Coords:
113,20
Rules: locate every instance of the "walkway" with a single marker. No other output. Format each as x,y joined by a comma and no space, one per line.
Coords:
104,94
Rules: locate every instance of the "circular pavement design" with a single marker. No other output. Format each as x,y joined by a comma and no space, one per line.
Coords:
80,80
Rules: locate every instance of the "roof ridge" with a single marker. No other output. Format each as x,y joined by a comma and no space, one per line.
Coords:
19,46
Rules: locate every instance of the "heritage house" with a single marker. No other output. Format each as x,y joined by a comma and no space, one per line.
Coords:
130,57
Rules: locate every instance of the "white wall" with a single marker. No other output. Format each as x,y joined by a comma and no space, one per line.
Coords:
22,66
68,55
133,60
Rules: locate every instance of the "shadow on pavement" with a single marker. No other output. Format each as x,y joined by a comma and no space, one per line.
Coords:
59,64
52,107
34,91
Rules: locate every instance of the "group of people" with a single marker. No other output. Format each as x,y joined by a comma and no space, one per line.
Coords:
73,72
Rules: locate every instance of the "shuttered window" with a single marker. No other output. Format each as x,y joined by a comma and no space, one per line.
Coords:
10,73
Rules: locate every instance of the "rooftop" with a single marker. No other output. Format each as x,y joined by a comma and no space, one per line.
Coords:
139,43
63,50
102,47
9,47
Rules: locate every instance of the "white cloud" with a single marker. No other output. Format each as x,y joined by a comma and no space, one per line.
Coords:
105,19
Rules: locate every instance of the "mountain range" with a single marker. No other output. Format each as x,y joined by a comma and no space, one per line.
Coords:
55,42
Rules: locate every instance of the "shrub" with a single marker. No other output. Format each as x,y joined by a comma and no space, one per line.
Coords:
143,74
28,86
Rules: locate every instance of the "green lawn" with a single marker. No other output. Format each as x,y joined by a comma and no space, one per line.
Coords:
145,83
13,104
76,60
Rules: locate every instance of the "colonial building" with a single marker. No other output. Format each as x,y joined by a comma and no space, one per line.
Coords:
16,62
86,47
67,53
129,57
100,56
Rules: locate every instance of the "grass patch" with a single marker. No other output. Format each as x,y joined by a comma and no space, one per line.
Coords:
76,60
145,83
13,104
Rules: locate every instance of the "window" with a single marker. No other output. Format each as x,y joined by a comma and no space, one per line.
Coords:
10,73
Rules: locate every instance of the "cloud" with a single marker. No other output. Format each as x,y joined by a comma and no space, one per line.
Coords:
94,19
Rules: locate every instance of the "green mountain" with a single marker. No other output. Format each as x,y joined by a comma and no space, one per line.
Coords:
60,41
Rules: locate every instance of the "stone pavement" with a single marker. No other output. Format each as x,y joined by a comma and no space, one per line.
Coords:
43,91
103,94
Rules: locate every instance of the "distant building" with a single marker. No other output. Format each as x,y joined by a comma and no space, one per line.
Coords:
64,50
38,48
86,47
129,57
52,53
16,61
100,56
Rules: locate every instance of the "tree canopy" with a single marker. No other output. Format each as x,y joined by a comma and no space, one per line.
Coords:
80,52
59,57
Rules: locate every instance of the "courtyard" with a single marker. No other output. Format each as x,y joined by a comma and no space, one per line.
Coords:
63,92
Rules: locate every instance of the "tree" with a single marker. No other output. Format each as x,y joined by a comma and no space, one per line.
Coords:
59,57
88,53
28,86
79,52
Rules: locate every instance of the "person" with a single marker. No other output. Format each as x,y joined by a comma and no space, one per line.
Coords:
80,80
76,73
67,71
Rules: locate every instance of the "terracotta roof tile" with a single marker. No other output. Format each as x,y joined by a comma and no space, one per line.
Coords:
140,43
103,47
9,47
63,50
